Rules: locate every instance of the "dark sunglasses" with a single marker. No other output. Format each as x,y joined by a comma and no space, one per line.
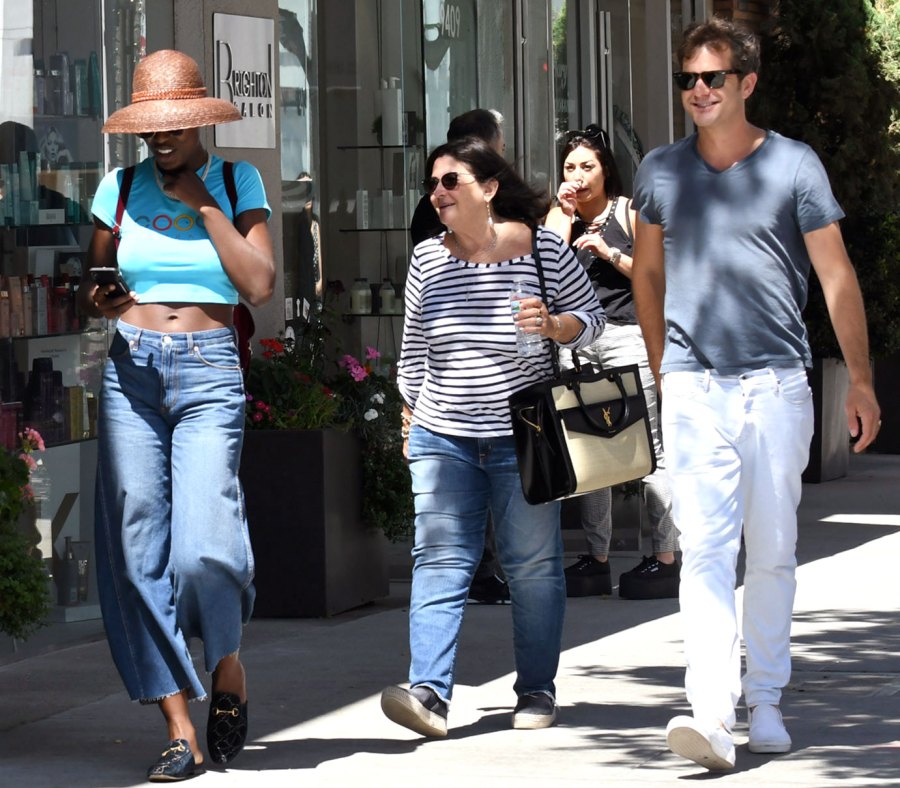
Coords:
449,180
592,133
685,80
146,135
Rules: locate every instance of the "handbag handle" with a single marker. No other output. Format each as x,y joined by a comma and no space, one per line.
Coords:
611,427
554,348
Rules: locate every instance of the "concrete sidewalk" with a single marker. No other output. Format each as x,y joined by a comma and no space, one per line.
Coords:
314,686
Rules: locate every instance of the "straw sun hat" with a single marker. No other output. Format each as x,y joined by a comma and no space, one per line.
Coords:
168,93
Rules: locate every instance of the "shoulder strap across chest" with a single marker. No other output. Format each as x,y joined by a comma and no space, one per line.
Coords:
128,179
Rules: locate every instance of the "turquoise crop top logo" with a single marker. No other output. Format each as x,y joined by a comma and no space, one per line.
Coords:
165,254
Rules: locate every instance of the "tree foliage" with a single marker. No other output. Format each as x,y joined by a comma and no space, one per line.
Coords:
831,77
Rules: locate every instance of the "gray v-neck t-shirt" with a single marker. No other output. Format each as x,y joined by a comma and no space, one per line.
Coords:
736,263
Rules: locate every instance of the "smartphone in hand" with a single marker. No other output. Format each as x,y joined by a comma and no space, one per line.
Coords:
110,276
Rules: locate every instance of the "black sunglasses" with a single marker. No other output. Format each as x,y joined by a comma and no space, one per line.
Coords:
685,80
449,180
146,135
592,133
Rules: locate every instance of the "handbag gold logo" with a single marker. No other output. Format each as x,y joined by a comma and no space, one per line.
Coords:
606,417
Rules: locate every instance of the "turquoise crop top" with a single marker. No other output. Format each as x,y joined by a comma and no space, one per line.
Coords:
166,255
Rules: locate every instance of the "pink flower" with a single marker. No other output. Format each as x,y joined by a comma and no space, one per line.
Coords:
31,440
358,373
28,460
372,353
257,416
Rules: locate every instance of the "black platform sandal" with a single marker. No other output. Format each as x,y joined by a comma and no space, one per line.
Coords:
226,728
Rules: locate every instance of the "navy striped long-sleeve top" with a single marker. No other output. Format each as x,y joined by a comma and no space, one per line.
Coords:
458,360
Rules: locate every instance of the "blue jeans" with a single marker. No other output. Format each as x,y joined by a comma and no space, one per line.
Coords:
737,445
455,482
173,549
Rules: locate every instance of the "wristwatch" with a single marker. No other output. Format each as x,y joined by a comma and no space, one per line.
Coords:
614,254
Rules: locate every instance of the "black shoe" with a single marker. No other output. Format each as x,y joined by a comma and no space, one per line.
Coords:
176,763
534,710
418,708
226,727
588,577
651,579
489,590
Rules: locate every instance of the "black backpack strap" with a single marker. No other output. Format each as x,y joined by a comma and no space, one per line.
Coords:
230,187
124,191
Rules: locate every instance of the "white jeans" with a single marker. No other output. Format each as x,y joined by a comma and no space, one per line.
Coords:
736,447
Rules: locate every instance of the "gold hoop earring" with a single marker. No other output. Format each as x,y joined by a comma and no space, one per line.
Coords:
490,214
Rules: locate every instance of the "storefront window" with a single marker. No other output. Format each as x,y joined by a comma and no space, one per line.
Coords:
467,46
610,62
57,58
301,190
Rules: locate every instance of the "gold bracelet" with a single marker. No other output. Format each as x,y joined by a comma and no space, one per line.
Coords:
558,325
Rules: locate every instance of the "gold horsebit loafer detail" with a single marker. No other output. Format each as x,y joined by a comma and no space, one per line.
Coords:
176,763
226,729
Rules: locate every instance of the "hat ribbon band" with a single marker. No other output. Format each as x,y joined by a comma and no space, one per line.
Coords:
162,95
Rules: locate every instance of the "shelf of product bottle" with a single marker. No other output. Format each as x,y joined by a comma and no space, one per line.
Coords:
379,300
35,192
29,337
61,414
37,306
67,87
51,222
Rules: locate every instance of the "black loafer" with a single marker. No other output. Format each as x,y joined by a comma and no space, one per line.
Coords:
176,763
226,728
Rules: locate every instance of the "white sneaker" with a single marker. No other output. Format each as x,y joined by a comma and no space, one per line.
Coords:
712,748
767,731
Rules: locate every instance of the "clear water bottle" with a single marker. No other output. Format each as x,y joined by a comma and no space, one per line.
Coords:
528,344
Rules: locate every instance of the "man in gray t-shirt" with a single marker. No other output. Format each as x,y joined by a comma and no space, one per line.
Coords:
730,221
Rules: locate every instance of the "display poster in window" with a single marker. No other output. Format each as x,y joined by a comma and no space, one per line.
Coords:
244,63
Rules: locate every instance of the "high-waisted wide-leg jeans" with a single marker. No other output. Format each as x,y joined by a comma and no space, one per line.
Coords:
173,549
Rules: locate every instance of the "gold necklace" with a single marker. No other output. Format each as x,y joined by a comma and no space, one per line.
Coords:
483,251
202,175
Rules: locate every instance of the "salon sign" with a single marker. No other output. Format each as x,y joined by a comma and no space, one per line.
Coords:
244,58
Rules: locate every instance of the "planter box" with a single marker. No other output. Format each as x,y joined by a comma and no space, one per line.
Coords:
829,452
314,556
887,384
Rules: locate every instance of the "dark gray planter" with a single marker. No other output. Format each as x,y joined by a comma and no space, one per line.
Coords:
887,385
314,556
829,452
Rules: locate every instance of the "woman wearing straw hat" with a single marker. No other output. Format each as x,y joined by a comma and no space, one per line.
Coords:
173,553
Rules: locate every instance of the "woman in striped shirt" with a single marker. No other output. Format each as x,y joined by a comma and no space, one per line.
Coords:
459,362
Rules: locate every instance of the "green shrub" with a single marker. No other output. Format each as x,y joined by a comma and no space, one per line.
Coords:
831,77
24,598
